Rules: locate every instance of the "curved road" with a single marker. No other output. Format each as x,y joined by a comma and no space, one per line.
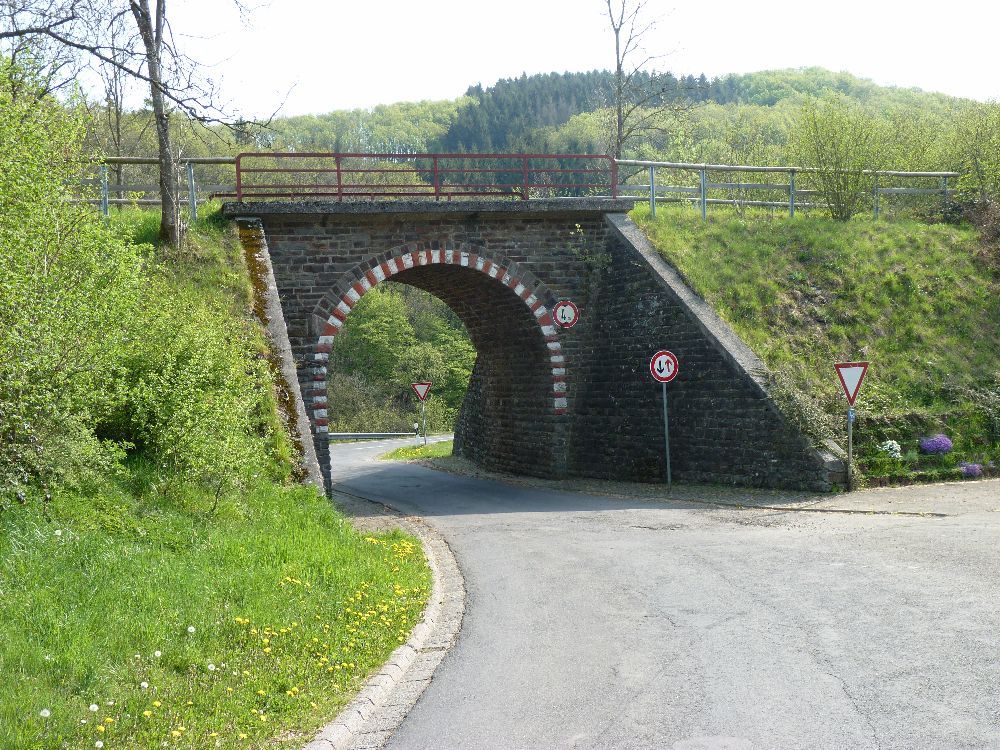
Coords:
597,622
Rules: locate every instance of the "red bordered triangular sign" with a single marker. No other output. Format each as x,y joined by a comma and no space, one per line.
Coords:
851,374
421,389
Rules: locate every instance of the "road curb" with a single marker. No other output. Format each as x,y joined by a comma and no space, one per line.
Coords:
369,720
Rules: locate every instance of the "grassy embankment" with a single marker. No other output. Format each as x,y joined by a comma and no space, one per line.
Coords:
917,300
413,452
144,610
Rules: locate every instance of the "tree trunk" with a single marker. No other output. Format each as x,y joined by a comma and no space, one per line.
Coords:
152,39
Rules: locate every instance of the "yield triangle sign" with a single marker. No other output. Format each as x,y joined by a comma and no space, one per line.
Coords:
421,389
851,374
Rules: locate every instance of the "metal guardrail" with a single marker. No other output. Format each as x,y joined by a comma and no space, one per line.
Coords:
196,193
370,435
361,176
354,176
700,194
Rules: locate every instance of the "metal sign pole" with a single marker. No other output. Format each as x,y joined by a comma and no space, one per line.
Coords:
423,416
850,444
666,437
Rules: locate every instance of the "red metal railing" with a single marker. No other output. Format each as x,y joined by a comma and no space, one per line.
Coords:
357,176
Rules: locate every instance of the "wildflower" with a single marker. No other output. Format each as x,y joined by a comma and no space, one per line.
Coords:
938,444
147,713
174,733
971,470
99,744
100,727
45,713
58,532
93,708
157,654
213,734
211,667
242,736
156,704
144,684
190,628
891,448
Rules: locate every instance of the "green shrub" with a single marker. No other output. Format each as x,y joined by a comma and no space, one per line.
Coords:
107,349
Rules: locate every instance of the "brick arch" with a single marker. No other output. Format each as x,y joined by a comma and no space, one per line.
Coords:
333,308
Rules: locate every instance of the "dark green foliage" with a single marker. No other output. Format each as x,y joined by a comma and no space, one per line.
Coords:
397,335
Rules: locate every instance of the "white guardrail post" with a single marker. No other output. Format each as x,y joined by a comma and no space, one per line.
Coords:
652,190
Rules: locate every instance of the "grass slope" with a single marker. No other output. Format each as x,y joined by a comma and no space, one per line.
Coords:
917,300
145,612
413,452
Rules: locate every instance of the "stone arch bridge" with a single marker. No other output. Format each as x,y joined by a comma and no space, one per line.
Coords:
542,400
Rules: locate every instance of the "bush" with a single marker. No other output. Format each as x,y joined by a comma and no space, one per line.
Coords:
106,351
842,141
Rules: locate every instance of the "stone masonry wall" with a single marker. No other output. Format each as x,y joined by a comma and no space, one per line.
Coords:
543,400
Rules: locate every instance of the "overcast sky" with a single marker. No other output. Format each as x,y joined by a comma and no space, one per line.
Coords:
339,54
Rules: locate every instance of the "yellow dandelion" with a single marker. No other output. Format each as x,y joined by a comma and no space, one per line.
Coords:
147,713
242,736
100,727
174,733
267,650
156,704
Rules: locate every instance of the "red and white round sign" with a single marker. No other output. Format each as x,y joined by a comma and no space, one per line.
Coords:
565,313
663,366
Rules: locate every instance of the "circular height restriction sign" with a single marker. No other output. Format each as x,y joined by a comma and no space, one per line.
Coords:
566,313
663,366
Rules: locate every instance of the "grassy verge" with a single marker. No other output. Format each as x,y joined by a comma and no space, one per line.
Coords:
410,453
149,610
917,300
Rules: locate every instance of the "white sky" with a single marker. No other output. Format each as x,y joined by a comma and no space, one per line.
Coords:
340,54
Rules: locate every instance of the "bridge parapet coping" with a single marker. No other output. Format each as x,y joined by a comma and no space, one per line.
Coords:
417,208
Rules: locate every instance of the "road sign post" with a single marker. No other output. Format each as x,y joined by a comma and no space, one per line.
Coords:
422,390
664,368
851,375
565,313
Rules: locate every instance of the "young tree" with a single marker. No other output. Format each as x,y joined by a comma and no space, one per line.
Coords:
844,143
640,97
976,151
92,29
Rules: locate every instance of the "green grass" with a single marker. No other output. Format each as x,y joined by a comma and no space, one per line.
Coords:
915,299
410,453
191,621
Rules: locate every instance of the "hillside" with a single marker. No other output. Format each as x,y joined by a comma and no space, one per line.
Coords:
549,111
917,300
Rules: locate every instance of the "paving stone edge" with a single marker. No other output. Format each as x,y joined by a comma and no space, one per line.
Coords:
368,721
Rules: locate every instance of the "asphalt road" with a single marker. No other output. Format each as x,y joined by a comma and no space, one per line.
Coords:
596,622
